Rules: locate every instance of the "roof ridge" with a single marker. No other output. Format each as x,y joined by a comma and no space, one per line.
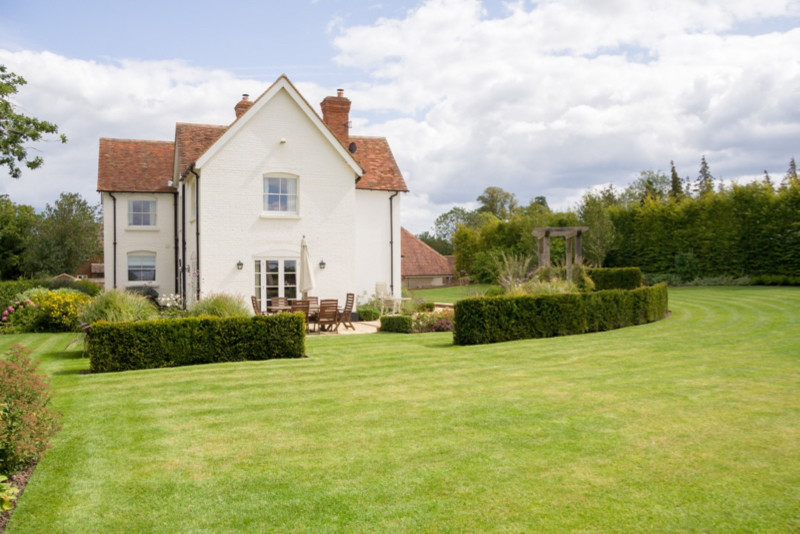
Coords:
119,139
201,124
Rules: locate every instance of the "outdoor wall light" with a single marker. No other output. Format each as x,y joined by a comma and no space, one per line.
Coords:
321,264
240,265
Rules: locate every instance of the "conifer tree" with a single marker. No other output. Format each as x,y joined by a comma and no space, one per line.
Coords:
791,175
705,181
676,186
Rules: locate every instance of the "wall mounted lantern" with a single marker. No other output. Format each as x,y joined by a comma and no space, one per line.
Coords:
240,265
321,264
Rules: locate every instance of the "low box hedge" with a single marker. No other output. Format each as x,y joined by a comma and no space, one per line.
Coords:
193,340
402,324
481,320
616,278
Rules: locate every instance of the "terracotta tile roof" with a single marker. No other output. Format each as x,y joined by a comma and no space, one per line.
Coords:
380,168
128,165
193,140
419,259
135,165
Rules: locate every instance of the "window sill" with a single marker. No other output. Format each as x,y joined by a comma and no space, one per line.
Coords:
279,215
141,228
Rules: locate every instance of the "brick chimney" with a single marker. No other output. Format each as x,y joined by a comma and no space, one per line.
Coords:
242,106
336,114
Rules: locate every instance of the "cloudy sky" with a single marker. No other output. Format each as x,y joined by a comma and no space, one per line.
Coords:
540,98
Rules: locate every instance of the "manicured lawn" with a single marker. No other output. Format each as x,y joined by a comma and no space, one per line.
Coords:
690,424
451,294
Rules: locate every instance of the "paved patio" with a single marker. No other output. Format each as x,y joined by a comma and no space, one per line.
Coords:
362,327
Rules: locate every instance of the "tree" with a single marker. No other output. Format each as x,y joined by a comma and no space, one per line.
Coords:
705,181
791,175
442,246
675,184
64,236
498,202
17,129
16,224
650,184
599,239
447,223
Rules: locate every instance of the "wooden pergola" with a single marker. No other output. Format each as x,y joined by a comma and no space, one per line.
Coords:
573,237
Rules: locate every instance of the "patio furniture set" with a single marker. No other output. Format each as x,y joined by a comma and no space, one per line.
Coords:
320,315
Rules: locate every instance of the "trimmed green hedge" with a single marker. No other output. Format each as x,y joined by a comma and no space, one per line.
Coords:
774,280
193,340
396,323
481,320
617,278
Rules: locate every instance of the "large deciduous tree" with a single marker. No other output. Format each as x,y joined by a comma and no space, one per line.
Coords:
65,235
17,129
16,224
498,202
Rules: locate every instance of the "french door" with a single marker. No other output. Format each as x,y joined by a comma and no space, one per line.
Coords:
275,278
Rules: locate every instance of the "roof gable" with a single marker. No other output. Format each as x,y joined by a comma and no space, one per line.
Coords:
281,84
133,165
419,259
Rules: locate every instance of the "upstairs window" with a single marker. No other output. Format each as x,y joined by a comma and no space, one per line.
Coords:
280,195
141,213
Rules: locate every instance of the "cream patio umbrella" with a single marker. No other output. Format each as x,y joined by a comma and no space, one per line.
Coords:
306,273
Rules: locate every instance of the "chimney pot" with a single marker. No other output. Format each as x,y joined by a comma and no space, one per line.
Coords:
340,93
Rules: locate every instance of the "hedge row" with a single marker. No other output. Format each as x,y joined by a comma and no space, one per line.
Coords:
494,319
774,280
397,323
617,278
193,340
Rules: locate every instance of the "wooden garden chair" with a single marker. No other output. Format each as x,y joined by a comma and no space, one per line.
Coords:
346,316
328,318
301,305
256,307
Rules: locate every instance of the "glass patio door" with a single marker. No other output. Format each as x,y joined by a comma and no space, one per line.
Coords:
275,278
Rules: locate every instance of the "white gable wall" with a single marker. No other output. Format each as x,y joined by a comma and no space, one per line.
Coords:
233,226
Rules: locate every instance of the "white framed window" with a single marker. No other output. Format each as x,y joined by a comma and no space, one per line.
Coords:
280,195
141,267
276,278
141,213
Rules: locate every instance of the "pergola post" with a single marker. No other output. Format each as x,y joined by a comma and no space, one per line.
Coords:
572,234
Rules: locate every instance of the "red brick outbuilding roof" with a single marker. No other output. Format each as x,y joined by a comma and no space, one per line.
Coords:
419,259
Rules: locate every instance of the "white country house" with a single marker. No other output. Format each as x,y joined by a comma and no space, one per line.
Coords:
223,209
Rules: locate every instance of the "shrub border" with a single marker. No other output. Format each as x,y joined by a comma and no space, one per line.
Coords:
402,324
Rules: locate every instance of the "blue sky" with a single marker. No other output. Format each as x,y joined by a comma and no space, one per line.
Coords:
545,98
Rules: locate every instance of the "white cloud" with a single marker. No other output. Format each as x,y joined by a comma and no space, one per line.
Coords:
89,100
554,98
547,98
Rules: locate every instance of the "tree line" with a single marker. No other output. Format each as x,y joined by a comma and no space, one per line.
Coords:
57,240
660,223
